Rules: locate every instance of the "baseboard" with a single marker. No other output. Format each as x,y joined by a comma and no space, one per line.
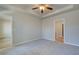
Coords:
49,39
25,42
71,44
5,48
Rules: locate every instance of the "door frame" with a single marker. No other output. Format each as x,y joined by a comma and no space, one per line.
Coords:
55,29
11,20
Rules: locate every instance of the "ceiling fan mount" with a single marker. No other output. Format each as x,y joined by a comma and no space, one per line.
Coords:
42,7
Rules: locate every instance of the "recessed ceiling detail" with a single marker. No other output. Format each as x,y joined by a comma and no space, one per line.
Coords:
27,8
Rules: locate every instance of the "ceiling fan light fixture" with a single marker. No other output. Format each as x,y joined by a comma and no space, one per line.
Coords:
42,7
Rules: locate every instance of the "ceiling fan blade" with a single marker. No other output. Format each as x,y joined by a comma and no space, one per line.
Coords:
49,8
34,8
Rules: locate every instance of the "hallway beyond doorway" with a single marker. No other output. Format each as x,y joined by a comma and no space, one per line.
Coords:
59,31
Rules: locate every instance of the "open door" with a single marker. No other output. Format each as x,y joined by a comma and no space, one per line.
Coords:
59,31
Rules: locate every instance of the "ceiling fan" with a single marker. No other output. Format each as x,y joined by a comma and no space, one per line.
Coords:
42,7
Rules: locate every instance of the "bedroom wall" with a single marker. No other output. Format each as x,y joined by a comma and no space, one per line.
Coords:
48,29
26,27
6,26
7,29
0,25
71,27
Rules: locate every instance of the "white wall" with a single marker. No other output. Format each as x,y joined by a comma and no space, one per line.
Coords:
0,25
6,27
26,27
48,29
71,27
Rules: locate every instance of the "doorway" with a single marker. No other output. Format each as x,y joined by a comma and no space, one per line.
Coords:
59,31
5,31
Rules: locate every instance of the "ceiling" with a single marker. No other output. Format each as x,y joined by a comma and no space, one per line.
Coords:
28,8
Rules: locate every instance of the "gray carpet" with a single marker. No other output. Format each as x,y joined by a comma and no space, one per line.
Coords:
42,47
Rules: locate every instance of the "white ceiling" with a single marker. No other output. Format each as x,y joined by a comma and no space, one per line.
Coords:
28,8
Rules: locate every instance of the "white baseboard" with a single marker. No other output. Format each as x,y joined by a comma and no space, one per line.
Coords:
71,44
49,39
5,48
25,42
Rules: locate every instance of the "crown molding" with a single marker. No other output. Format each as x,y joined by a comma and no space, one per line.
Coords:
15,9
60,10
